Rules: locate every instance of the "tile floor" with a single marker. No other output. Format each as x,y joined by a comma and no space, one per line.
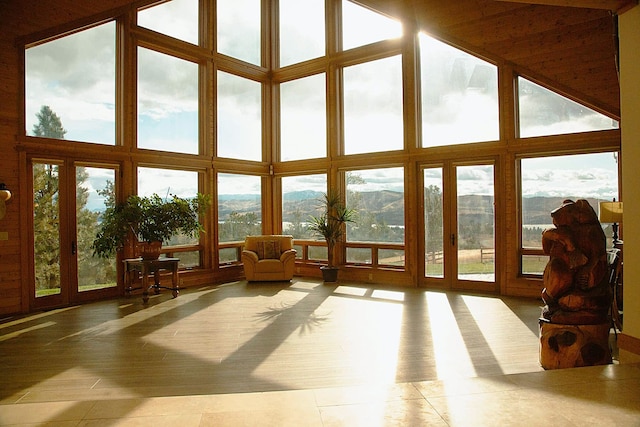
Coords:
299,354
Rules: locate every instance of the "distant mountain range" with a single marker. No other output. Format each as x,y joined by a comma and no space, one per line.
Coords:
388,206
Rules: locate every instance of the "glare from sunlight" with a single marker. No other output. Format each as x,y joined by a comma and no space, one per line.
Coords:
451,355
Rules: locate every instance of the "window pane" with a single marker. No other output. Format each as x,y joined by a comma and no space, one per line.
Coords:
228,255
46,229
239,118
239,207
318,253
534,264
373,106
359,255
94,193
459,95
303,119
239,29
547,181
543,112
378,197
165,183
392,257
188,259
363,26
301,30
433,225
74,77
167,103
175,18
476,222
301,197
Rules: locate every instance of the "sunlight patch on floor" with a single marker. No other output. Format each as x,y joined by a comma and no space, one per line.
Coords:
450,352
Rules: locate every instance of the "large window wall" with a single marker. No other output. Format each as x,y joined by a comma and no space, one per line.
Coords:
340,102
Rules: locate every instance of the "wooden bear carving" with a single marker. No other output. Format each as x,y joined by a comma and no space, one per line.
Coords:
575,291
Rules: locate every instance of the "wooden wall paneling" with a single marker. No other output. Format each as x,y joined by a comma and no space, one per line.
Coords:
10,260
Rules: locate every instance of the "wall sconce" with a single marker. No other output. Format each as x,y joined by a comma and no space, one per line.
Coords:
611,213
5,195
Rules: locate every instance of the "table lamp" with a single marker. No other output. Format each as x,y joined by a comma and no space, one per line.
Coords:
611,213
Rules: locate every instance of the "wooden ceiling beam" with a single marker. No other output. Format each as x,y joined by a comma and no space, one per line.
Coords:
618,6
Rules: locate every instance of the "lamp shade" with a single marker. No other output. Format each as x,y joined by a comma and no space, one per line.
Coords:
610,212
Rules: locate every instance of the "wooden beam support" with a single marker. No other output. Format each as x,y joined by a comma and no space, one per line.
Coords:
618,6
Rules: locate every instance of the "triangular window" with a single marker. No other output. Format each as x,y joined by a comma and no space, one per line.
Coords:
543,112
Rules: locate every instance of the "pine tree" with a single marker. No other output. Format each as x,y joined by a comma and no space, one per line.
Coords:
49,124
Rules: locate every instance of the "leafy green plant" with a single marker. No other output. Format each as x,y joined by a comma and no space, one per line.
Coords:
148,219
330,224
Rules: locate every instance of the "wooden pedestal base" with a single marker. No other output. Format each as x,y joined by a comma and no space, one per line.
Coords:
571,346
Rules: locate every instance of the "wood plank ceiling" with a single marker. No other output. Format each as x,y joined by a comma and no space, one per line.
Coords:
568,45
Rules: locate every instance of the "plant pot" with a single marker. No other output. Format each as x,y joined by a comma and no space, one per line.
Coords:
329,274
148,250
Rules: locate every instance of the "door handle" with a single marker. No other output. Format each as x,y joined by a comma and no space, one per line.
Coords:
453,239
73,248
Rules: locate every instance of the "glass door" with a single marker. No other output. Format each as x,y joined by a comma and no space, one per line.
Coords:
47,234
68,199
458,220
474,238
433,208
94,191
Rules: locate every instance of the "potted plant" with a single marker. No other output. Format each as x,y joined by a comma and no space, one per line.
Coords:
150,221
330,225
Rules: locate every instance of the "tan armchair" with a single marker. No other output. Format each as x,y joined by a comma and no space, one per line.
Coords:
268,257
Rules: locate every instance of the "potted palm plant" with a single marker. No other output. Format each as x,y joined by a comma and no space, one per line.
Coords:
330,225
150,221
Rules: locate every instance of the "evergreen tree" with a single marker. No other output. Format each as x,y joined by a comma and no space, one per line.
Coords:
49,124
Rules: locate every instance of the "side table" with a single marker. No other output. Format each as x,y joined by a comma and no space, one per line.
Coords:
145,267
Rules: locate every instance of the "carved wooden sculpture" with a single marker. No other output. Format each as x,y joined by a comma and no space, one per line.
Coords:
574,327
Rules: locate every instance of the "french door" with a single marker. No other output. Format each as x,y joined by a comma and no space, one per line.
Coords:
459,226
68,198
